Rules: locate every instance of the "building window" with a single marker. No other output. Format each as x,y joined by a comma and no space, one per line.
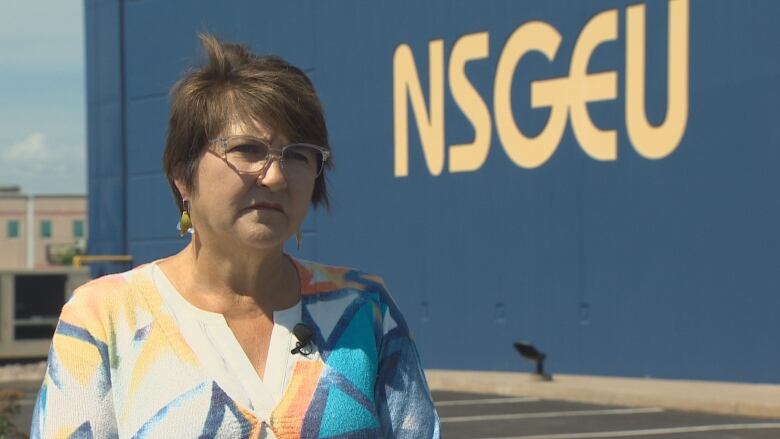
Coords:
45,229
78,228
12,229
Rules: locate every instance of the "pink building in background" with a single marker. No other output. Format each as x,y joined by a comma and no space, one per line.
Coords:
39,231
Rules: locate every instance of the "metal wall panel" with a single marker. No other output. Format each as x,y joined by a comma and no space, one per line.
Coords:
150,194
105,141
161,42
636,267
149,250
146,141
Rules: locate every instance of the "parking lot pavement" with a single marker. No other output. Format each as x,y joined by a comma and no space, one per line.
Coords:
483,416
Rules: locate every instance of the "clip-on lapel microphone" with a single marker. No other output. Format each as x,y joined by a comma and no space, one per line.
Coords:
304,334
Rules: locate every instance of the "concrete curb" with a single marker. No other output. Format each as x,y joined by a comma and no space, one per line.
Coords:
753,400
23,372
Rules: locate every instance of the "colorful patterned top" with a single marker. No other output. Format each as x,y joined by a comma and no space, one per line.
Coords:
119,367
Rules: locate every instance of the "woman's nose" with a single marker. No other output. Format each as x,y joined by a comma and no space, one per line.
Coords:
273,175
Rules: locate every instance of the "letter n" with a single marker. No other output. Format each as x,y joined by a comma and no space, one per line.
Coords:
430,119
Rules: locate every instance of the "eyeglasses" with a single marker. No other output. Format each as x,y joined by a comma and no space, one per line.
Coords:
251,155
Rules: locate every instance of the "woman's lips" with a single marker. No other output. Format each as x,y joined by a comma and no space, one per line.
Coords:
267,206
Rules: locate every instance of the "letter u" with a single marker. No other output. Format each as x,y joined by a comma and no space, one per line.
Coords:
656,142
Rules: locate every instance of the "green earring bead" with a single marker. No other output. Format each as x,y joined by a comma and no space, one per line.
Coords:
185,224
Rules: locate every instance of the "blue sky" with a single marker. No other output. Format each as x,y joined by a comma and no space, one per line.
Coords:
42,96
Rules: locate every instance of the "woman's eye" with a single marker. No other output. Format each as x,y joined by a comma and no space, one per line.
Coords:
249,149
297,156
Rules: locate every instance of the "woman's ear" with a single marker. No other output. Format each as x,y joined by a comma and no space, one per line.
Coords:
182,188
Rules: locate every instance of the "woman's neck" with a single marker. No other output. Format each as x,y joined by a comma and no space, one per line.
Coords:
236,283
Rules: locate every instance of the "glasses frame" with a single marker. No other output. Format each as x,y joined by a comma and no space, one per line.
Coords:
273,153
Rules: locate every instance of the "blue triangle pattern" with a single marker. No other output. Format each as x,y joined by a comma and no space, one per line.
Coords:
355,352
84,432
343,415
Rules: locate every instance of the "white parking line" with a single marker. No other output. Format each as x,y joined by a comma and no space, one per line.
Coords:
485,401
551,414
650,432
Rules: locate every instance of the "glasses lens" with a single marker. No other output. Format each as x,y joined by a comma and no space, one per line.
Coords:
302,160
246,155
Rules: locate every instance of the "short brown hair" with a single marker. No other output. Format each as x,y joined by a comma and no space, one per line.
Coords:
237,85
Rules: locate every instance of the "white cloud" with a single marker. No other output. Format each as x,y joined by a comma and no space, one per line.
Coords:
36,148
40,166
31,148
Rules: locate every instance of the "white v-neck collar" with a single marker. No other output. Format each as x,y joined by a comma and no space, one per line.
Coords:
217,348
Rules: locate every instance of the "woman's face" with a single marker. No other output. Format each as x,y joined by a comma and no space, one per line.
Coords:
263,210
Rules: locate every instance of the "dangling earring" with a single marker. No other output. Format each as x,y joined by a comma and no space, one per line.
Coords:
185,224
298,238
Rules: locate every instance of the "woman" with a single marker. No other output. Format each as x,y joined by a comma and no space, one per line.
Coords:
231,337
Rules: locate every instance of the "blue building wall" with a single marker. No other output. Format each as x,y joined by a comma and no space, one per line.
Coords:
632,267
105,130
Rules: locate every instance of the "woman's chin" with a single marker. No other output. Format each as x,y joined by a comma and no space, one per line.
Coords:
261,236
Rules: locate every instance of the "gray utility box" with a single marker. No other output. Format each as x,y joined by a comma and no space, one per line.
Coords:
30,304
